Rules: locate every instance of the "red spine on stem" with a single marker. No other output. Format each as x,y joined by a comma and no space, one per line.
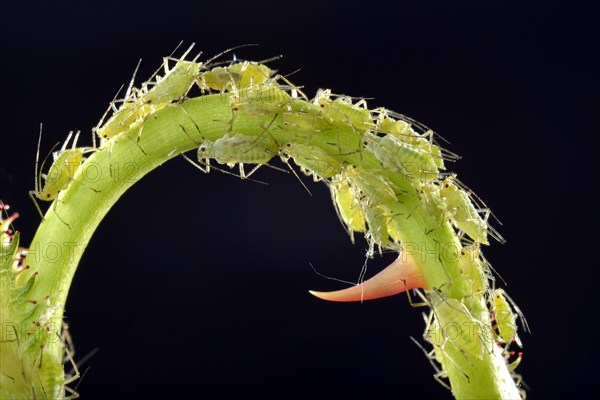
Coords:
398,277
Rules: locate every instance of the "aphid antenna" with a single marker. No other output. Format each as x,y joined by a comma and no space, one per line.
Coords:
131,82
162,66
183,56
329,277
209,63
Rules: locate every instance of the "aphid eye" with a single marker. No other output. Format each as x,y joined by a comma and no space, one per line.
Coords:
289,145
202,148
48,195
322,105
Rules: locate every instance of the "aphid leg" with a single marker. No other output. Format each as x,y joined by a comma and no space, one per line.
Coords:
112,105
441,347
439,373
32,194
423,303
284,159
163,66
519,313
207,167
37,174
183,56
295,90
58,215
74,376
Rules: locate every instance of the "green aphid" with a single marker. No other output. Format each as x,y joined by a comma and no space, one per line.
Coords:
244,149
152,96
342,110
348,208
458,327
506,319
373,185
61,172
403,158
462,211
377,221
313,160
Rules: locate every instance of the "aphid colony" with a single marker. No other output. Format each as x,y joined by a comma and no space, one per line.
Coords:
383,169
18,338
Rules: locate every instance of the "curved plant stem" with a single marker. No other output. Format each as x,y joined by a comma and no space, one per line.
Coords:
179,127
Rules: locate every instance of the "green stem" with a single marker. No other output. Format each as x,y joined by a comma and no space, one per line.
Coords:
56,249
99,182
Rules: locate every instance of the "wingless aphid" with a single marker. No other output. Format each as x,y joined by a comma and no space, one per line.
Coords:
60,175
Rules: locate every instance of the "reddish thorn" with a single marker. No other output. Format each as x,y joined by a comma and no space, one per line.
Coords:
47,328
36,273
38,324
32,301
400,276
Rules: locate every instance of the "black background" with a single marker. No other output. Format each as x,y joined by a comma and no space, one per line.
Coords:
195,286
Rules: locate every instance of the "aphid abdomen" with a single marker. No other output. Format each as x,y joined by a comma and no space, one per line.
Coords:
375,186
506,320
344,111
305,122
313,159
174,85
244,149
416,163
458,327
377,221
472,269
463,213
399,129
347,206
123,119
261,100
432,202
249,74
219,79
